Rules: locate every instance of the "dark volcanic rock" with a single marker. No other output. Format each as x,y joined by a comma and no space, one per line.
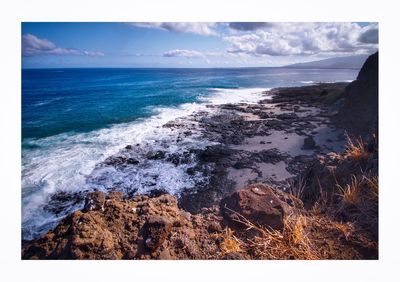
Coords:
309,143
155,155
156,230
132,161
95,201
180,158
269,156
120,160
215,153
63,201
257,203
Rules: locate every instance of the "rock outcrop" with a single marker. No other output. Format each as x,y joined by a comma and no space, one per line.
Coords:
359,113
139,228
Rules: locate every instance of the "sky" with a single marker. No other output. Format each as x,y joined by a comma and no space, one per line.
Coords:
191,45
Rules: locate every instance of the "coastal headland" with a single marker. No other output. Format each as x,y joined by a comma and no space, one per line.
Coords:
292,176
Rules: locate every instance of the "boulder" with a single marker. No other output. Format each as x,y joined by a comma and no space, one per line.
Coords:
258,204
155,231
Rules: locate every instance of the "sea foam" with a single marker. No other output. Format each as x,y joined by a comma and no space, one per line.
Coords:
69,162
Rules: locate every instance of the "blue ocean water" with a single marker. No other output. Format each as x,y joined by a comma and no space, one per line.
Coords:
72,119
60,100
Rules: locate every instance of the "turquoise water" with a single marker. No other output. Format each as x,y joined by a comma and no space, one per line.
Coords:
72,119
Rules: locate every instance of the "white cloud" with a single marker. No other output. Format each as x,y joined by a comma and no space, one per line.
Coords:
370,34
33,45
284,39
183,53
181,27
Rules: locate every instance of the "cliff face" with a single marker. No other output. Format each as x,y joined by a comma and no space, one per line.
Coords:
359,114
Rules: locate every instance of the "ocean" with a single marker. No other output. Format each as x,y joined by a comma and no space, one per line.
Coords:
73,119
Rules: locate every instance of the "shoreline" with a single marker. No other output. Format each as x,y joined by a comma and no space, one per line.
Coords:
264,171
218,151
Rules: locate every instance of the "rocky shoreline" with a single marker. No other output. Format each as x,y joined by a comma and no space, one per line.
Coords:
269,175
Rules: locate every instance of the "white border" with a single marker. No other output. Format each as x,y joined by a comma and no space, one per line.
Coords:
14,12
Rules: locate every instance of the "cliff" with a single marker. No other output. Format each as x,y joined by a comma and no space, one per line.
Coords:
359,113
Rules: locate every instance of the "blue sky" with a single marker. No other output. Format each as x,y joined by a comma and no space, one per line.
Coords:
238,44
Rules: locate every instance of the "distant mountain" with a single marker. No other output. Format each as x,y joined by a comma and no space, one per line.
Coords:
350,62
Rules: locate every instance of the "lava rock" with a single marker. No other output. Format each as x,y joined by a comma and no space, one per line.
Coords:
94,201
258,204
156,230
214,227
155,155
117,195
132,161
309,143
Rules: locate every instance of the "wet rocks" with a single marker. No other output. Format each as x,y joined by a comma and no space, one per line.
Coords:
215,153
309,143
155,155
62,201
156,230
120,160
180,158
257,203
132,161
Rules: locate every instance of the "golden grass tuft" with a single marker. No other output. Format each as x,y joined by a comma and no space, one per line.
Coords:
230,243
356,149
350,193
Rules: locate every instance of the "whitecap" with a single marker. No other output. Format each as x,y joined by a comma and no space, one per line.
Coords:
68,162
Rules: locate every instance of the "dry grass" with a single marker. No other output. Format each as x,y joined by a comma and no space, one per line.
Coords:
362,191
229,242
307,237
356,149
350,193
373,185
290,243
296,187
361,194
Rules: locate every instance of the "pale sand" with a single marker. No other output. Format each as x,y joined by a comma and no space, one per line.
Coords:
291,145
269,171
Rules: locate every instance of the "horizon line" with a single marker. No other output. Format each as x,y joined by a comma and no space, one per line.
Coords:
285,66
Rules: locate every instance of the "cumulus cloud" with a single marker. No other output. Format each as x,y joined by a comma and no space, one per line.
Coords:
33,45
181,27
183,53
370,35
284,39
